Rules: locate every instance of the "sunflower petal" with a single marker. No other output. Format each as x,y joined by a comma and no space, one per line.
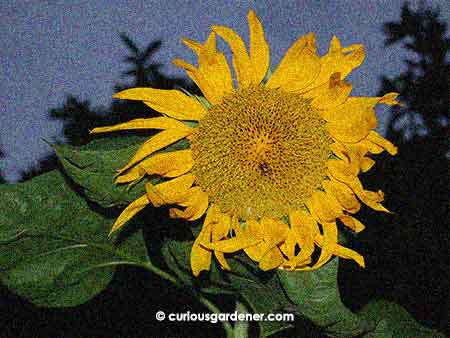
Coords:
259,49
234,244
169,164
150,123
349,254
271,260
325,206
157,142
377,139
132,209
196,202
338,60
200,256
331,94
241,59
169,192
352,223
298,68
343,194
222,261
173,103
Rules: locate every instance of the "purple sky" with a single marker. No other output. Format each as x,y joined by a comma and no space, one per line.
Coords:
55,48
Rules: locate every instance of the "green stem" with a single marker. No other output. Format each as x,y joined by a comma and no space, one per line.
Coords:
214,309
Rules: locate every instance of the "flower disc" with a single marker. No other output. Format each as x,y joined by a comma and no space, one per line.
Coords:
261,152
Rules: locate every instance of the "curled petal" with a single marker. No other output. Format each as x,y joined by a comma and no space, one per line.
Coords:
325,206
131,210
352,223
196,202
169,192
338,60
200,256
349,254
343,194
329,95
271,260
380,141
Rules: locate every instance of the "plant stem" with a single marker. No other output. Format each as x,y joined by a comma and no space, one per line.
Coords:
213,308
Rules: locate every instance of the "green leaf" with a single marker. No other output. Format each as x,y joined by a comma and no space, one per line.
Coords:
316,295
94,166
54,248
394,321
262,292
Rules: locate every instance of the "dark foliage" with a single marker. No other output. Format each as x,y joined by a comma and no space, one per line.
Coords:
408,250
2,179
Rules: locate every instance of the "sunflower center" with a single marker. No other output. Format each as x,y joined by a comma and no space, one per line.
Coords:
261,152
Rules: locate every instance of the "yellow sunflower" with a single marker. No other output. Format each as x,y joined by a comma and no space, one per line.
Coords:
273,160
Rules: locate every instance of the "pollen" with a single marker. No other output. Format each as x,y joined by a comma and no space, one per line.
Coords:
260,152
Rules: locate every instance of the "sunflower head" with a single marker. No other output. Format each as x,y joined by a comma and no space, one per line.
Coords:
272,162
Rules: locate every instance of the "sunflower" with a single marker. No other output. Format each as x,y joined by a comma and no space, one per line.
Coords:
272,160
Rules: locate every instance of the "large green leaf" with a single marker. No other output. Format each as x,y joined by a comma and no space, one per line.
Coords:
262,292
54,248
95,165
394,321
316,295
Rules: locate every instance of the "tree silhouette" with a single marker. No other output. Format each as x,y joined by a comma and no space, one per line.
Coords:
2,179
78,117
408,250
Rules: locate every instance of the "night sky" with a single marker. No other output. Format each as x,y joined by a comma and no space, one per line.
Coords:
51,49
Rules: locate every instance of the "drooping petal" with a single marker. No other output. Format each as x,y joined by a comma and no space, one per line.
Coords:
173,103
222,261
338,60
196,202
343,194
377,139
132,209
327,243
299,67
353,120
241,60
234,244
352,223
200,256
271,260
169,164
349,254
157,142
169,192
259,48
329,95
325,206
274,230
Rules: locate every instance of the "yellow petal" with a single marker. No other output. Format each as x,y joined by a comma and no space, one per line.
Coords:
352,223
196,202
213,75
382,142
349,254
274,230
298,68
222,261
133,175
271,259
171,102
234,244
343,172
241,60
169,192
259,49
157,142
151,123
372,199
338,60
325,206
169,164
201,257
132,209
343,194
327,242
222,227
330,94
353,120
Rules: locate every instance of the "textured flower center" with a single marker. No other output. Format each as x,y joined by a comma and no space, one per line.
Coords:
261,152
